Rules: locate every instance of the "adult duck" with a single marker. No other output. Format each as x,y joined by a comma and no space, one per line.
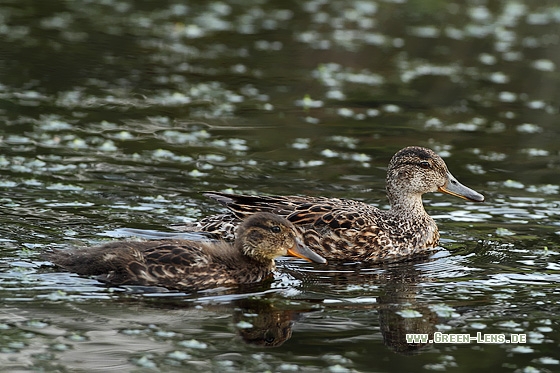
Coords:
347,230
191,265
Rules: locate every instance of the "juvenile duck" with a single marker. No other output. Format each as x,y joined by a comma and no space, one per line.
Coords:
347,230
191,265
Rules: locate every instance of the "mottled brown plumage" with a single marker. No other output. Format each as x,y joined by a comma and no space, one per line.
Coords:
189,265
347,230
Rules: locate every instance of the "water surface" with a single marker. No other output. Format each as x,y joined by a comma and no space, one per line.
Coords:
118,114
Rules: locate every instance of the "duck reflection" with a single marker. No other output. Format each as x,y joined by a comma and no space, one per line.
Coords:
394,288
259,319
261,323
400,313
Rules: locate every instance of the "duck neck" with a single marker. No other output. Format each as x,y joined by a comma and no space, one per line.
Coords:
257,260
402,204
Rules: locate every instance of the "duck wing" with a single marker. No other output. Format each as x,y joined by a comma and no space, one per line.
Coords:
186,265
168,263
332,227
301,211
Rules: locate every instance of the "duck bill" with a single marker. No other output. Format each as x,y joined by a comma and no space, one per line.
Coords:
455,188
299,250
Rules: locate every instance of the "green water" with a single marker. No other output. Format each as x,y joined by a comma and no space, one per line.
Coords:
118,114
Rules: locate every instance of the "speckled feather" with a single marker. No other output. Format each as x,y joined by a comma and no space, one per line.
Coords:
348,230
186,265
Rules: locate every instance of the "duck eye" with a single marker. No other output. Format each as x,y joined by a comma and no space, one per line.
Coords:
275,229
425,164
269,337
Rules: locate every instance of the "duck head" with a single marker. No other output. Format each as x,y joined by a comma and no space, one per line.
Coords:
264,236
414,171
